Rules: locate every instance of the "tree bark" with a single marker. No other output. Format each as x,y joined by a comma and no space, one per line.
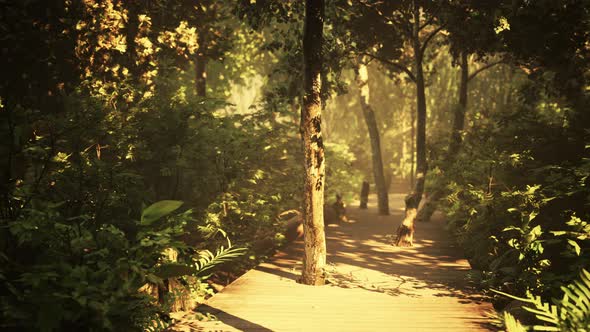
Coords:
412,148
131,31
201,67
455,142
314,258
362,78
405,232
459,116
364,195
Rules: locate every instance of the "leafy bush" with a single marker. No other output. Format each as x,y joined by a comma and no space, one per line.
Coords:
517,203
62,274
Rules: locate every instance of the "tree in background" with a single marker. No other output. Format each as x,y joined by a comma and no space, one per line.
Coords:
457,131
362,79
460,22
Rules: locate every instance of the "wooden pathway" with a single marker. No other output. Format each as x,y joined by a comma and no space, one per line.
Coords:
373,285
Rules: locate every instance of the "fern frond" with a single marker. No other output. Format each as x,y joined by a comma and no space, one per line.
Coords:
207,260
512,324
571,313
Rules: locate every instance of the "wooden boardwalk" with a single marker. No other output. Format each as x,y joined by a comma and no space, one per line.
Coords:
373,285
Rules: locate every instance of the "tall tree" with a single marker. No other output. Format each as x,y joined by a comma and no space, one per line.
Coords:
408,23
456,138
405,232
357,29
314,258
362,79
469,33
214,37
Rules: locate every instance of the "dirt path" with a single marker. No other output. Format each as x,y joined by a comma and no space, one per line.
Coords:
373,285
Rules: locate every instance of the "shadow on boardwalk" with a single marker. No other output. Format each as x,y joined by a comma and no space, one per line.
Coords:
372,284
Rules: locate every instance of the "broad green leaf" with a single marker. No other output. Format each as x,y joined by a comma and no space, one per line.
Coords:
158,210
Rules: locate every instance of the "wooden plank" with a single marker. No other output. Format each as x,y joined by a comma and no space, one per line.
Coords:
373,285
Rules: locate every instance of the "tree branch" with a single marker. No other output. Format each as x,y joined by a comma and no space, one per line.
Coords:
394,65
479,70
427,23
433,17
429,38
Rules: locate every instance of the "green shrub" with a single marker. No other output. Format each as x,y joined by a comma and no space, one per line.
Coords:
69,274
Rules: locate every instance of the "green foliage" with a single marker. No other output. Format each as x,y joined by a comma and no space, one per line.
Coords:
518,203
341,177
512,324
570,313
158,210
74,274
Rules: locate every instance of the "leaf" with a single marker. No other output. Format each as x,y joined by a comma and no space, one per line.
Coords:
158,210
513,228
575,246
173,270
512,324
535,232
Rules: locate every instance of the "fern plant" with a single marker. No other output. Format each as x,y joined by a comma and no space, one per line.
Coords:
570,313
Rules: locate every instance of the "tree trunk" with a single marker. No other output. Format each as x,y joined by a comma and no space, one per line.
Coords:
459,118
201,67
364,195
456,140
413,148
131,31
362,78
314,258
405,232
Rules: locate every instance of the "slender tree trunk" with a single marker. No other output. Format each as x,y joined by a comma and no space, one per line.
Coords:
364,195
201,67
405,232
362,78
412,147
314,258
459,118
131,32
456,140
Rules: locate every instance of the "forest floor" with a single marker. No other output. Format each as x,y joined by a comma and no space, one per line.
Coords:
373,286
